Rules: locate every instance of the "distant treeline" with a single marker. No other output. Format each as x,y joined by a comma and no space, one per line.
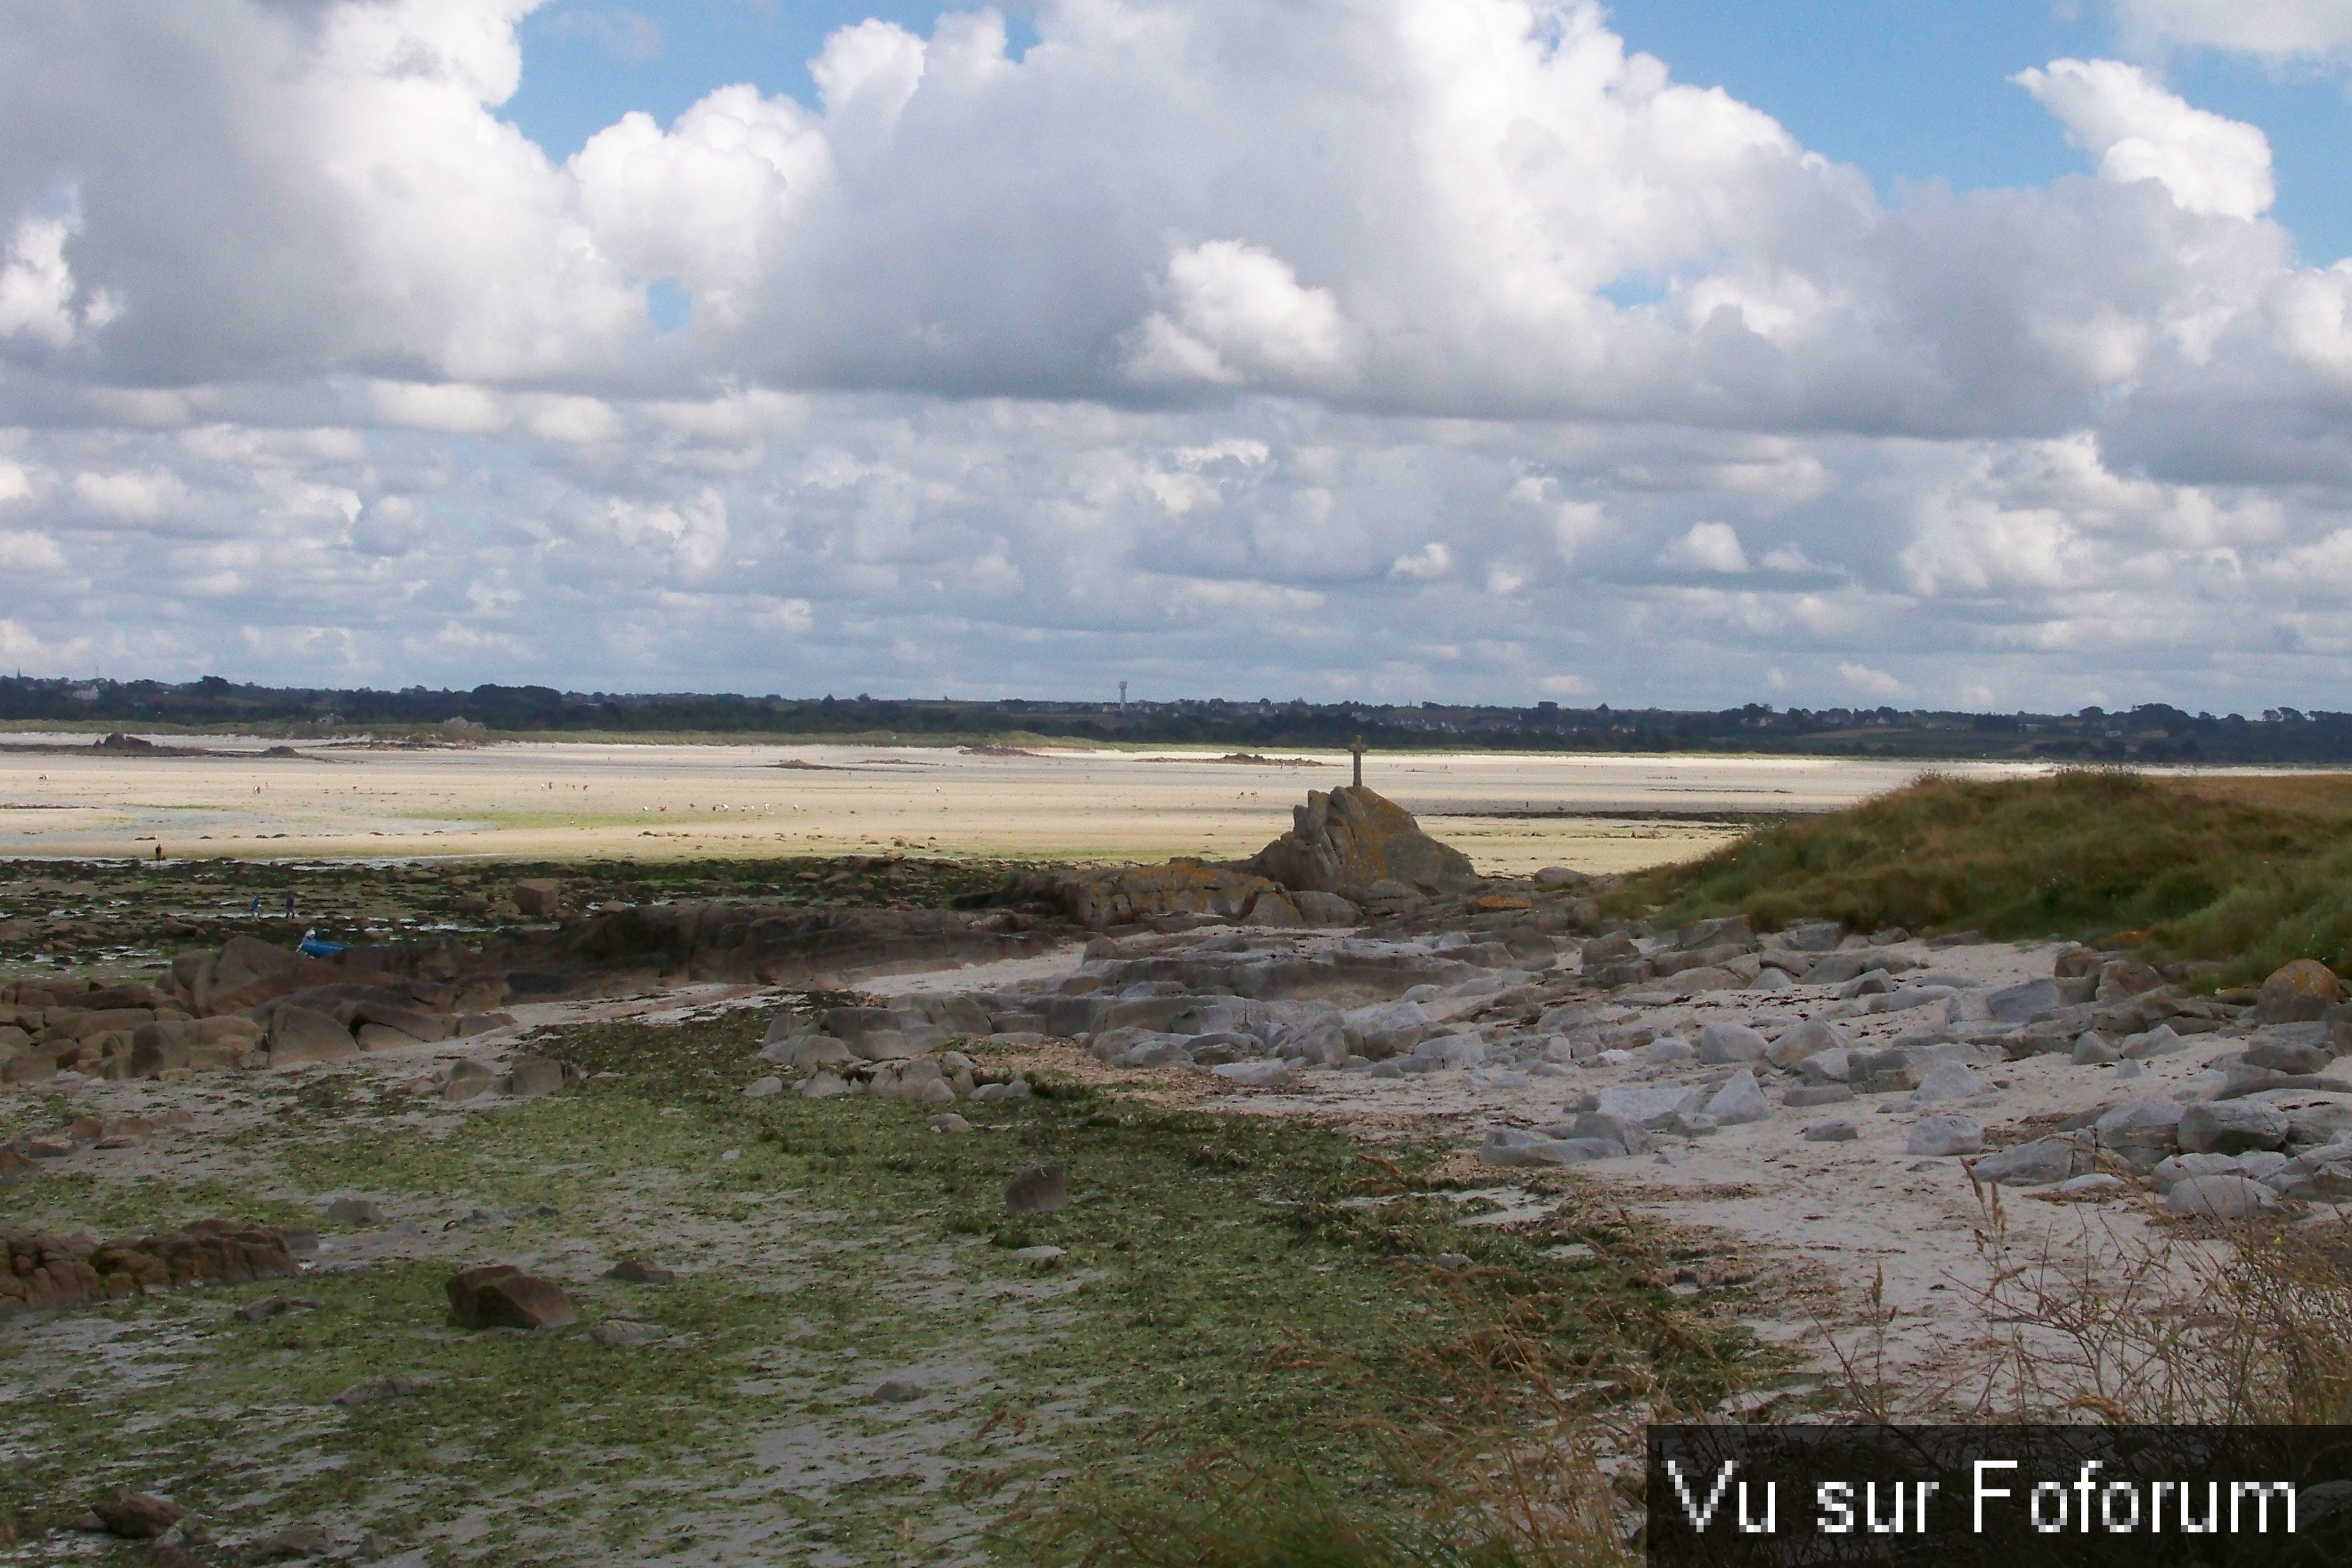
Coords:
2152,732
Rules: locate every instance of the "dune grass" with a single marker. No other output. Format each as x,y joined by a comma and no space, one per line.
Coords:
2250,872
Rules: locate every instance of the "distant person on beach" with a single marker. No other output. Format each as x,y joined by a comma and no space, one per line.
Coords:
290,903
255,908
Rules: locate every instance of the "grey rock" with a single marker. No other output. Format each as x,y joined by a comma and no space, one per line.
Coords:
1872,983
1727,1045
299,1035
1643,1105
2161,1041
1387,1029
1832,1066
1809,936
822,1085
467,1079
1907,998
2140,1123
1935,1135
950,1123
527,1077
2289,1057
1738,1101
762,1087
2224,1197
994,1093
896,1391
1041,1189
1458,1051
2323,1174
1326,910
356,1211
2030,1164
1949,1081
1837,1129
2231,1127
1607,1128
1668,1050
2126,1071
1790,1048
2091,1051
2018,1004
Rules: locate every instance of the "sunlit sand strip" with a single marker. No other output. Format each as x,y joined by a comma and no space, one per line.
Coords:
553,801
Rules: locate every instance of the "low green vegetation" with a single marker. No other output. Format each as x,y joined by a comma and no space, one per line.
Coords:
118,916
2250,872
1225,1294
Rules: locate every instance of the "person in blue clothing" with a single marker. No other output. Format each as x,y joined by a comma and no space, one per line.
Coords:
290,903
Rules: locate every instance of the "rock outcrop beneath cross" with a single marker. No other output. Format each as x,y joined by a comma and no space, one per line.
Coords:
1352,839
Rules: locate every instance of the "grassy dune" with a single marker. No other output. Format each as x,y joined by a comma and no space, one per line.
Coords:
2249,870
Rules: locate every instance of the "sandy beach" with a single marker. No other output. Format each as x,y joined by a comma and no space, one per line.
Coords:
60,796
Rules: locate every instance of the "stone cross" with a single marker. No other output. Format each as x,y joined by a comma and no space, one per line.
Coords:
1356,750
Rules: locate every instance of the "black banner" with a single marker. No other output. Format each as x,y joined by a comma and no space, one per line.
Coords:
2003,1497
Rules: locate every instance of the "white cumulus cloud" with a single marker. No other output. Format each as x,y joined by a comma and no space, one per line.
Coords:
1237,313
2137,130
2280,30
1707,547
1872,682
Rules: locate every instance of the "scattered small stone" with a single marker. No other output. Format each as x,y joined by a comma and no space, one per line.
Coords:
1837,1129
621,1332
296,1541
1036,1254
1041,1189
356,1211
500,1296
1945,1135
379,1388
896,1391
531,1077
639,1271
136,1516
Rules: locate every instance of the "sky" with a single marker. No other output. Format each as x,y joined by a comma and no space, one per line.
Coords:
1823,353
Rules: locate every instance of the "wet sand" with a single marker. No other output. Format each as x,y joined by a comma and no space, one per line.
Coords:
557,801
